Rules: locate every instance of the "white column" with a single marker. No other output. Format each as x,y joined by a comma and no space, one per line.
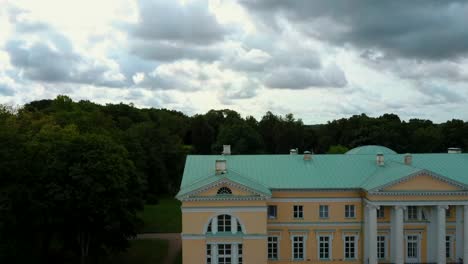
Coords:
366,235
214,253
234,254
233,225
432,235
214,225
441,258
372,225
397,231
465,233
459,232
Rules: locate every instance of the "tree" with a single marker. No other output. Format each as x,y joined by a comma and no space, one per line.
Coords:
337,149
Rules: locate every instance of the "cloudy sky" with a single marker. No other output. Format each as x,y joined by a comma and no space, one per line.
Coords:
320,60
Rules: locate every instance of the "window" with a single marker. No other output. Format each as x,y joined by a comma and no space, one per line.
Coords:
448,212
272,211
224,253
412,246
350,211
273,247
239,227
297,210
224,223
239,254
350,247
323,211
324,247
298,247
381,247
224,191
380,213
412,213
448,247
208,254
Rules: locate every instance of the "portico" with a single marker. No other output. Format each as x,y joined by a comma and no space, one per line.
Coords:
406,241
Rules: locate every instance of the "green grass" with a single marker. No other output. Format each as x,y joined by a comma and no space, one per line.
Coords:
164,217
147,251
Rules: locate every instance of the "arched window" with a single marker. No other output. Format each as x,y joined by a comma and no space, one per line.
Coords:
224,190
224,223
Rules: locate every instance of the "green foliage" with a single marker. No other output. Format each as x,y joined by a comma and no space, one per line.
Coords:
337,149
164,217
147,251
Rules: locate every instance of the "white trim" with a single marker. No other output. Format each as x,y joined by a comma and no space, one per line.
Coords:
386,246
234,238
345,234
304,246
418,243
310,224
452,252
330,245
213,217
224,209
278,242
318,200
415,203
417,193
419,173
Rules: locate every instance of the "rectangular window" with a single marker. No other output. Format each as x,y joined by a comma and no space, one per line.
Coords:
239,253
298,247
272,211
273,247
323,211
297,210
208,254
224,253
448,247
224,223
350,247
448,212
350,211
324,247
412,213
412,247
381,212
381,247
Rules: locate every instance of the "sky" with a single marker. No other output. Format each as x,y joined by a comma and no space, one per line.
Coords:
320,60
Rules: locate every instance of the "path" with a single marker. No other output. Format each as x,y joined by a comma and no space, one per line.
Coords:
175,244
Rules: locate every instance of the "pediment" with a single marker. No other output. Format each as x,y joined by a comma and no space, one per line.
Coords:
423,181
234,188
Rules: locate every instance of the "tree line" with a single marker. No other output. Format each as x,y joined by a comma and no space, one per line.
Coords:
74,174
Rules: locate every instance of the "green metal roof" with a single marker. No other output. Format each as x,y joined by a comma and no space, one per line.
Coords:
343,171
370,149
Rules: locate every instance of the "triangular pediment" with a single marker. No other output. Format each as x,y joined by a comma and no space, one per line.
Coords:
423,181
238,189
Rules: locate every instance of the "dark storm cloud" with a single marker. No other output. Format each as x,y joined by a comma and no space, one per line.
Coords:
424,29
303,78
41,62
164,51
169,30
170,20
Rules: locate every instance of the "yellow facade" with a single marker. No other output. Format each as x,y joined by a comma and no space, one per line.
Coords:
198,212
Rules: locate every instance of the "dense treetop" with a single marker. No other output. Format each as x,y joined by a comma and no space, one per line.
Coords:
73,174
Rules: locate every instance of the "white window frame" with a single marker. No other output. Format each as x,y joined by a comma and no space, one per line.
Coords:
385,246
236,255
355,242
304,247
209,247
231,255
277,242
418,242
276,211
451,246
416,213
224,226
324,214
330,247
350,211
298,211
381,212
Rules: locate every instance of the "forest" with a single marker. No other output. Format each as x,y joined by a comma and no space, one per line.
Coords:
73,175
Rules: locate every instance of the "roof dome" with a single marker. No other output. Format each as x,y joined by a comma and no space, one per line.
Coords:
370,150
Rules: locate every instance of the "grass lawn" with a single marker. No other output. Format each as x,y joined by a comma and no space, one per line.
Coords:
164,217
147,251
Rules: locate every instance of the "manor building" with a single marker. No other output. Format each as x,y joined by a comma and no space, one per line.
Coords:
370,205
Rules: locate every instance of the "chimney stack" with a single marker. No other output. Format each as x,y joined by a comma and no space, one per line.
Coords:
293,151
220,167
380,159
408,159
307,155
226,149
454,150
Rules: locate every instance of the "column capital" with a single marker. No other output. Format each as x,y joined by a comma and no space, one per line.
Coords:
372,206
465,207
443,207
398,207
